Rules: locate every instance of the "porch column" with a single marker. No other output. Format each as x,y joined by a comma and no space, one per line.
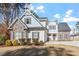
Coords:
57,36
26,34
11,35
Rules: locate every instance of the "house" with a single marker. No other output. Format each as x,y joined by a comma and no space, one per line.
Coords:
31,26
58,31
77,28
53,30
75,34
63,31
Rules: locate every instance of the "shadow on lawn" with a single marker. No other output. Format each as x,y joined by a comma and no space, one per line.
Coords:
28,52
55,51
51,51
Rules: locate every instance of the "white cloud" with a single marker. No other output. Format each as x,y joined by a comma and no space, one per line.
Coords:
57,15
40,8
70,19
32,7
68,13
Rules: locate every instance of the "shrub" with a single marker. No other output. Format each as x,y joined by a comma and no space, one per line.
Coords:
1,40
22,41
28,40
36,42
41,43
8,43
5,38
29,43
15,42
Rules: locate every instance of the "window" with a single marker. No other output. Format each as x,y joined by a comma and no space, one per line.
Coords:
28,20
35,35
18,35
52,27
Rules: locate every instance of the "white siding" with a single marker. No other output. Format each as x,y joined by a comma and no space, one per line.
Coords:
34,20
43,23
53,30
34,23
42,35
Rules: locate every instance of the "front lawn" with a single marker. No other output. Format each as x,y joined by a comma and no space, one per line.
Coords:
51,50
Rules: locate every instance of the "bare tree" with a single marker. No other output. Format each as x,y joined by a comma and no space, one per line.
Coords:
9,12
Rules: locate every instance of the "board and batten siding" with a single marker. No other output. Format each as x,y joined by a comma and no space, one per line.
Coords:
42,35
34,22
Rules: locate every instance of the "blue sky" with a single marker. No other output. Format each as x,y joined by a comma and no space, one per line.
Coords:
64,12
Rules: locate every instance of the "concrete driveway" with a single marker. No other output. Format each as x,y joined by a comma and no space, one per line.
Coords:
73,43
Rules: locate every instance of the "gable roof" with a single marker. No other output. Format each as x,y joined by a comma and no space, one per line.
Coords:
37,15
32,13
17,19
63,27
37,28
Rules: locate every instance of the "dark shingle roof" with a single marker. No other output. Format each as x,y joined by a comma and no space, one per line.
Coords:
37,15
63,27
38,28
34,14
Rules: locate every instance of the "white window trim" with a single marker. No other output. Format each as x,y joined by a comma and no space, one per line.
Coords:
35,34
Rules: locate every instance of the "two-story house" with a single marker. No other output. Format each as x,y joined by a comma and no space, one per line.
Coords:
53,30
29,26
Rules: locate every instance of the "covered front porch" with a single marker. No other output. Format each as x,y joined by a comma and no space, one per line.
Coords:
53,36
28,35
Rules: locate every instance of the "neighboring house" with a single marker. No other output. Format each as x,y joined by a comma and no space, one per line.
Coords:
77,28
58,31
63,31
31,26
53,30
75,34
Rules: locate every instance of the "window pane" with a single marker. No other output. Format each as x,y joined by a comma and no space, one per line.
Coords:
35,35
18,35
52,27
28,20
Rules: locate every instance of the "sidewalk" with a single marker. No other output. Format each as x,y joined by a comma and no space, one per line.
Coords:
73,43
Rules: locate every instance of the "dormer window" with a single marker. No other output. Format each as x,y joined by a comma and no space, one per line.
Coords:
28,20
